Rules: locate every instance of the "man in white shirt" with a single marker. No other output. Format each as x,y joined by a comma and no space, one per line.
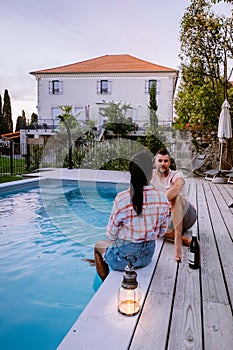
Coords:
172,183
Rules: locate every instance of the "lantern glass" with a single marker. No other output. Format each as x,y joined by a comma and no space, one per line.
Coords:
129,294
129,301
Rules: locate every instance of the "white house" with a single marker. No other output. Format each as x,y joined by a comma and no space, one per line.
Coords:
89,85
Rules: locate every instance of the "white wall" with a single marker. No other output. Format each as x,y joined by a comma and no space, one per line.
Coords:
81,91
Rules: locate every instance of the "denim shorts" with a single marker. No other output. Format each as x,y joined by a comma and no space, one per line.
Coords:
121,252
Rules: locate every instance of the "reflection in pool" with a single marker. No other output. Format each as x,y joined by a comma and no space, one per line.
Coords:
44,282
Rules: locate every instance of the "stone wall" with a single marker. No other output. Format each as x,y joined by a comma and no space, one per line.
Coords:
206,141
189,143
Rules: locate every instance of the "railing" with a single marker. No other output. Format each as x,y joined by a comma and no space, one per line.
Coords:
11,161
92,154
43,125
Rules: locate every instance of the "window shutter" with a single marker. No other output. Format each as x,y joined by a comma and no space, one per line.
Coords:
109,87
147,87
60,87
98,87
50,87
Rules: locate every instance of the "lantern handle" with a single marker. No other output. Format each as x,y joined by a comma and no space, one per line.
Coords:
131,259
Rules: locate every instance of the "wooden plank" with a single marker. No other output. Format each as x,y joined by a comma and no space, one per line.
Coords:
229,189
227,192
186,325
213,284
218,326
220,222
152,329
222,202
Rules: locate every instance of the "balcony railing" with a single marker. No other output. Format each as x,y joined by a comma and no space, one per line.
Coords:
43,124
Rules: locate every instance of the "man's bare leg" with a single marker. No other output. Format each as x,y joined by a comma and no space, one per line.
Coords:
101,266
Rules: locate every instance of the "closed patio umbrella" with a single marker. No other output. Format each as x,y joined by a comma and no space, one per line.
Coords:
224,131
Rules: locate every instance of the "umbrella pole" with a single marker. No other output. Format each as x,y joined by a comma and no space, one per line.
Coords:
218,179
220,159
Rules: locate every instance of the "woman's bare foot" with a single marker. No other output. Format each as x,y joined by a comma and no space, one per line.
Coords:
91,262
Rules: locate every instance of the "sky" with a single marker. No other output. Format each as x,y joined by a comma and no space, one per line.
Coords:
36,35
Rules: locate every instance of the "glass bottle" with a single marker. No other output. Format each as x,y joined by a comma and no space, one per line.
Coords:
194,252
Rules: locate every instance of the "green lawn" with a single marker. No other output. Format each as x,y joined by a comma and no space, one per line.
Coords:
8,178
19,166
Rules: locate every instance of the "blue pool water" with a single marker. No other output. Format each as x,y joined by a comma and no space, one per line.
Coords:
44,282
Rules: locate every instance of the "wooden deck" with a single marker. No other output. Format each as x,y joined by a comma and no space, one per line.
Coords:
183,309
192,309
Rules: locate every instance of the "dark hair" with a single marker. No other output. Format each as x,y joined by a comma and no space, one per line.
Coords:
163,152
140,168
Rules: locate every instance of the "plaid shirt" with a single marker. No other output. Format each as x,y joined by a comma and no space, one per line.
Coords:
124,223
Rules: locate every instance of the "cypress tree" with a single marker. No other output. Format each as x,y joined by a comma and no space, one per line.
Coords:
34,119
21,121
7,123
0,105
153,107
1,117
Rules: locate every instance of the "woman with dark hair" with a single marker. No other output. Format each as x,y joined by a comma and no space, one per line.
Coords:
139,215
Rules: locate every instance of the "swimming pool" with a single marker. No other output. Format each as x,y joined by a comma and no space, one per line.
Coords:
45,233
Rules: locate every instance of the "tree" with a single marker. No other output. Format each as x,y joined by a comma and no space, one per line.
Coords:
34,119
217,1
117,121
1,116
70,133
153,108
206,45
0,105
21,122
77,131
154,138
6,122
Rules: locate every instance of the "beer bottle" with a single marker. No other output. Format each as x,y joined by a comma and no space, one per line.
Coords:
194,252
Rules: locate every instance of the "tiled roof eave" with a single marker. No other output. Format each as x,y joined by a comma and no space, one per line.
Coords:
41,73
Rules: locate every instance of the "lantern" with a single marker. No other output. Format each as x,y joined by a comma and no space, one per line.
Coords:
129,294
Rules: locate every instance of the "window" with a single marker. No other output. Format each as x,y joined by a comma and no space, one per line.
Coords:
149,83
55,111
104,87
55,87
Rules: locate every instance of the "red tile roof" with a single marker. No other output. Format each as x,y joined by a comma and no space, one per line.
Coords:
11,135
109,64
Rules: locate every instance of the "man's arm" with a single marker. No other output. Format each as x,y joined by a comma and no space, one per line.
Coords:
175,189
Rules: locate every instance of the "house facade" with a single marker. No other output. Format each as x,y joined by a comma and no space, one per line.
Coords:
89,86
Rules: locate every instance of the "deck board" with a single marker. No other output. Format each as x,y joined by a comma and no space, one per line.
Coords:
220,221
192,309
214,294
186,325
155,319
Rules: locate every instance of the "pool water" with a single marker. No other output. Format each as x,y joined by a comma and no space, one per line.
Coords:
44,282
